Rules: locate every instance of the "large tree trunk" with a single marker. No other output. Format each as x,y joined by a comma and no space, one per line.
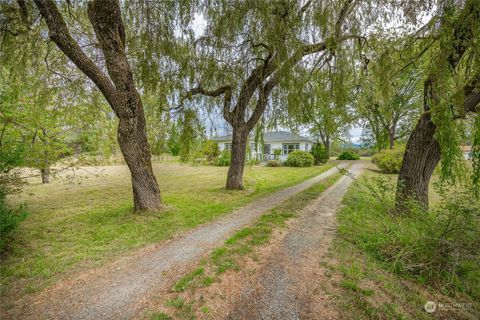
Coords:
45,172
422,155
119,90
423,151
132,138
237,162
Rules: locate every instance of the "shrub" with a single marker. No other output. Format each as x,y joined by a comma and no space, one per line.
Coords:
299,158
277,153
210,150
348,155
389,161
9,220
273,163
224,159
319,154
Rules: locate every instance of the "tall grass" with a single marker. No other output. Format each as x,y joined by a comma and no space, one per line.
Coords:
437,247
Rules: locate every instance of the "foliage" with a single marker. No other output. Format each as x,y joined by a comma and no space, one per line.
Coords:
389,161
319,154
252,162
277,153
224,159
437,247
9,219
11,157
191,135
299,158
388,107
210,150
273,163
173,141
348,155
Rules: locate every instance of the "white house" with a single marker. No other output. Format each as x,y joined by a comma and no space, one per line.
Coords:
283,141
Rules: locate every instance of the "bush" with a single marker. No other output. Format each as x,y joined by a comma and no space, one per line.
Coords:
273,163
299,158
9,220
389,161
319,154
348,155
210,150
277,153
224,159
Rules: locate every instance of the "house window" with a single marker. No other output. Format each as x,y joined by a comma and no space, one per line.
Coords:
252,147
266,149
228,146
306,147
289,147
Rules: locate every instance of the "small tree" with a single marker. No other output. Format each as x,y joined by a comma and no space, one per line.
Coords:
319,154
210,150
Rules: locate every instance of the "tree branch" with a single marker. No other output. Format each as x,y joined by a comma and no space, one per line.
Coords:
59,34
227,99
263,95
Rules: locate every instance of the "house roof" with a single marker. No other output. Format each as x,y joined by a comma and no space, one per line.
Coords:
276,136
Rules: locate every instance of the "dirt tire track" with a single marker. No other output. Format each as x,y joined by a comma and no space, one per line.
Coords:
121,289
286,287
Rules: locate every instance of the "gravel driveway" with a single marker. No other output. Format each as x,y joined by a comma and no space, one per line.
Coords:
283,288
120,289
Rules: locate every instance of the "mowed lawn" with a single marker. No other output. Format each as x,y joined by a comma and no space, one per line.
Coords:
79,224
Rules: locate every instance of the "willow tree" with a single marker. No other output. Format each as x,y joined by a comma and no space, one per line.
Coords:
324,100
451,91
250,47
118,87
389,100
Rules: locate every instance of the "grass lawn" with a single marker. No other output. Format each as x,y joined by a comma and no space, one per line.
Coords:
73,226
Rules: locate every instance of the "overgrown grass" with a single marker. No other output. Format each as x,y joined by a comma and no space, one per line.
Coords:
408,258
243,243
77,225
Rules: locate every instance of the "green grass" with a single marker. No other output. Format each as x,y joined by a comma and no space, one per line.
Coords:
383,259
244,241
230,255
73,226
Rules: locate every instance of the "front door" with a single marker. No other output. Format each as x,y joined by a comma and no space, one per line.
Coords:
266,151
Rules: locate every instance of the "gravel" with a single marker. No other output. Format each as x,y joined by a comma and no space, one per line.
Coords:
121,289
284,286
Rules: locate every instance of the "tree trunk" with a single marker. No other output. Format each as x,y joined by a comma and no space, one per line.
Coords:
326,145
132,138
422,155
391,138
237,162
45,172
119,89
